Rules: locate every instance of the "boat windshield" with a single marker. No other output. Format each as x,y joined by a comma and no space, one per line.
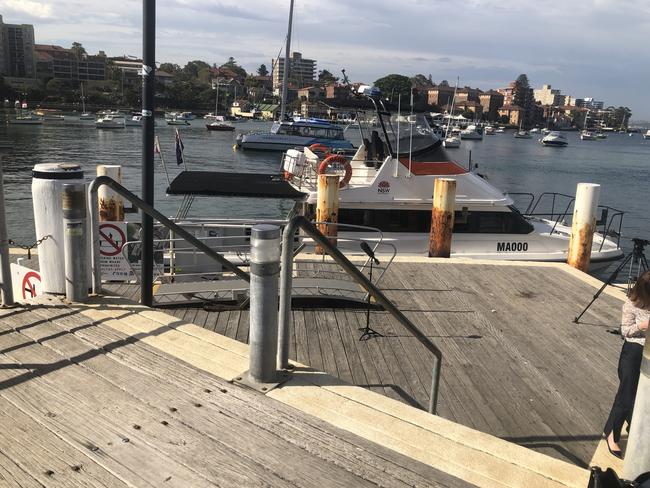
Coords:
305,130
415,133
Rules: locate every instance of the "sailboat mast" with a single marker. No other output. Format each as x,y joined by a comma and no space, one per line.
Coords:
216,104
285,74
453,101
83,101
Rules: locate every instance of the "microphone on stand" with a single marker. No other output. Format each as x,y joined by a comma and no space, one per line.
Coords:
371,254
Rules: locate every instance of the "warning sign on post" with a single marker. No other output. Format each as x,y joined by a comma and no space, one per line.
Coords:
26,282
115,266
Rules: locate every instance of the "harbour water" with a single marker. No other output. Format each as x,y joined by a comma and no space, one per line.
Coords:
621,164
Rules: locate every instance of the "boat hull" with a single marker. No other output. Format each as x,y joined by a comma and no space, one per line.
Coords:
267,142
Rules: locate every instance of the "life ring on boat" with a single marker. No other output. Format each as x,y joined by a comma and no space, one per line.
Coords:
337,159
320,148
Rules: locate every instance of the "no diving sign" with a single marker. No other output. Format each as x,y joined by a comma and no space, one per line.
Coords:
26,282
112,236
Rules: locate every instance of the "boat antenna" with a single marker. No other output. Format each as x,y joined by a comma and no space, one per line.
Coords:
399,116
411,123
285,75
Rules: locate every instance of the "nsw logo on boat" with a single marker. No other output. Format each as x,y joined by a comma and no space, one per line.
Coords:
383,187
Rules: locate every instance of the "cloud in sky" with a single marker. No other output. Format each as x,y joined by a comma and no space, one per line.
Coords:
587,48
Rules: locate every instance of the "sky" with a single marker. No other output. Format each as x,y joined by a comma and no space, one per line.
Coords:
585,48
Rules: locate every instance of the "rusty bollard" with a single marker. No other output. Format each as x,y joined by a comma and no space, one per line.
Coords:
111,203
583,225
442,217
327,207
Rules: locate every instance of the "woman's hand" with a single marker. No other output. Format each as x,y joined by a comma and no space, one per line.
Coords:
644,325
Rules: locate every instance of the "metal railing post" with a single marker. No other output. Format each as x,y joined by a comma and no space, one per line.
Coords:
264,267
74,242
5,269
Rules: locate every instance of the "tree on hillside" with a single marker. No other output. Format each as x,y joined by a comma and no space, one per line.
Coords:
325,76
522,97
421,82
393,85
262,71
192,68
170,68
232,64
78,51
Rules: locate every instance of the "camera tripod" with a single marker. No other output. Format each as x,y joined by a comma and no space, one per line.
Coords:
637,262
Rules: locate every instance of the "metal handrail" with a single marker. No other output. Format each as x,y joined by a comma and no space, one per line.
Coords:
93,205
286,278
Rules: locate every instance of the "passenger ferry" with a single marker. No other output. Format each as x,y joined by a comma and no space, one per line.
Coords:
298,132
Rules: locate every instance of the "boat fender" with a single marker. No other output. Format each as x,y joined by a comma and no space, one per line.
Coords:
337,159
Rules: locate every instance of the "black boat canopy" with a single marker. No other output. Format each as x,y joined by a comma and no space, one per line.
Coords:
252,185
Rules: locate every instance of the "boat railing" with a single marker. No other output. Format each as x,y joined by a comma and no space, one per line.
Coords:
558,207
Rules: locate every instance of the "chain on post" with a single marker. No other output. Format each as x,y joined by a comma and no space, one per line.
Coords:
29,248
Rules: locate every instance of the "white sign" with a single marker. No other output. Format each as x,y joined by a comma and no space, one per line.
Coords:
26,282
115,266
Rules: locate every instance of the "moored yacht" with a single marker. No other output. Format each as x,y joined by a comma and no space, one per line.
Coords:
587,135
646,135
26,119
298,132
111,121
522,134
472,132
554,138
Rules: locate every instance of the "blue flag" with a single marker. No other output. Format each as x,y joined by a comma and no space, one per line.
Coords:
179,149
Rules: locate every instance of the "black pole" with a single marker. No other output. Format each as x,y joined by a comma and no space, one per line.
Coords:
148,75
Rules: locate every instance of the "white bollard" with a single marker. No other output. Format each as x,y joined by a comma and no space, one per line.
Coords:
637,453
583,225
111,203
47,188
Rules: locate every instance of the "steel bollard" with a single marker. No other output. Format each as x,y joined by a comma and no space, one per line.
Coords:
74,242
265,271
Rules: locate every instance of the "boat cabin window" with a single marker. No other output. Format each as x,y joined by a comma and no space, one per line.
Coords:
477,222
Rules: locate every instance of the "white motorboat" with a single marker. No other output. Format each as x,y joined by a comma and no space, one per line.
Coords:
499,130
87,116
522,134
451,142
134,121
646,135
472,132
395,197
587,135
546,130
177,121
110,121
26,119
298,132
489,130
534,130
600,135
186,116
554,138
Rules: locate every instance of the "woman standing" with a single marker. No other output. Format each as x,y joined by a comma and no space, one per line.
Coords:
636,314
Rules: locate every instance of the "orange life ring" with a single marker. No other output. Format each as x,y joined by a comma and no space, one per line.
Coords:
337,158
320,148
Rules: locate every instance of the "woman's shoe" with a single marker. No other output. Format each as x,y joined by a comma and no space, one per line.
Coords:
617,454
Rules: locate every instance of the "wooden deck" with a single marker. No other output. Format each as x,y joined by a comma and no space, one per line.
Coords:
515,365
82,404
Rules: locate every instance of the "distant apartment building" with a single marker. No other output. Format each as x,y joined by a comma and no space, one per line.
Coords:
17,58
302,72
467,94
56,62
469,106
548,96
130,70
441,95
508,93
592,104
491,101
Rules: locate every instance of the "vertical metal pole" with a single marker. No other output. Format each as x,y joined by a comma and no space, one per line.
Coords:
285,74
637,454
74,242
148,76
265,271
5,269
